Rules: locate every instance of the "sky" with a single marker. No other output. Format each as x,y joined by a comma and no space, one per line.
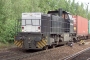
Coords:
85,3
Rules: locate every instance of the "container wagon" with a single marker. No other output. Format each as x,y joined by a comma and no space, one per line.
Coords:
80,27
89,29
39,31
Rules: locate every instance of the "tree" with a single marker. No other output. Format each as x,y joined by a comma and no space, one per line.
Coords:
11,10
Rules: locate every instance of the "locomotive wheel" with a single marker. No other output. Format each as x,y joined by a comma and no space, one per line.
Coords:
74,40
53,46
45,48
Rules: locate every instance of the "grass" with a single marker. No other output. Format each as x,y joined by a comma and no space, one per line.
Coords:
3,45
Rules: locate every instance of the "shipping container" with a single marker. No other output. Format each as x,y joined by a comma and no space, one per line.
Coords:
89,26
80,25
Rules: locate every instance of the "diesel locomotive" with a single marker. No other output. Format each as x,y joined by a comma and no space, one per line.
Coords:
39,31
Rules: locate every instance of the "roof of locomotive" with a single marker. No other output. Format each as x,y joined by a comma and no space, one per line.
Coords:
56,11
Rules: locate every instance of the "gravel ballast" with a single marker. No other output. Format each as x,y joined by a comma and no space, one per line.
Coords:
60,52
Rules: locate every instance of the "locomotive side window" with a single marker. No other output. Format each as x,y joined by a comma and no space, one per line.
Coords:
23,22
66,16
62,15
70,16
36,22
28,22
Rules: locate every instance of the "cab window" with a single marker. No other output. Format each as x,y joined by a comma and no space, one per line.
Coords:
36,22
65,16
28,22
23,22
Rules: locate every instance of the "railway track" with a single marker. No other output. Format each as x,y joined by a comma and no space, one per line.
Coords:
82,55
19,55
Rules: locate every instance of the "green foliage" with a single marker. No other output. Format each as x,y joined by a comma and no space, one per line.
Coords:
11,10
8,34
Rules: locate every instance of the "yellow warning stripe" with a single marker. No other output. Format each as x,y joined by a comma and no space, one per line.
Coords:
38,45
44,42
41,43
18,43
21,44
15,42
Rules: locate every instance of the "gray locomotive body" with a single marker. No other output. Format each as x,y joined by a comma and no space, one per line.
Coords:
44,30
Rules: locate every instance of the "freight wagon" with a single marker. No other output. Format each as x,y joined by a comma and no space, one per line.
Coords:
89,26
89,29
39,31
80,27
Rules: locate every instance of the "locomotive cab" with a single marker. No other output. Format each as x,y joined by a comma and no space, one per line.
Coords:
29,31
31,22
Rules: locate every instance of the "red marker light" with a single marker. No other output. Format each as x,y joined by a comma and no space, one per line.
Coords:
39,27
22,27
